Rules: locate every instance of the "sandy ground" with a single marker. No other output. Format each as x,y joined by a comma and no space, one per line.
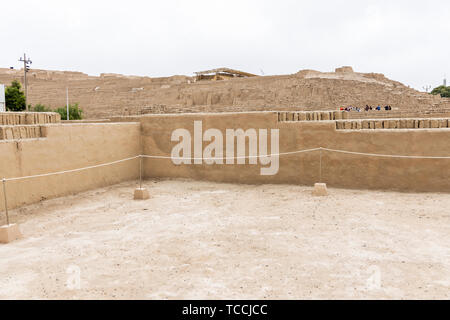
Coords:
202,240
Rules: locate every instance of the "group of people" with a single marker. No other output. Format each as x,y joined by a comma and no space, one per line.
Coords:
366,108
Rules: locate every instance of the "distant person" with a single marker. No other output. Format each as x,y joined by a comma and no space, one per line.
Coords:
378,108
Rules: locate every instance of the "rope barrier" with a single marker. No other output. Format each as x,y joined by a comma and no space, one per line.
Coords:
232,158
4,180
301,151
72,170
385,155
227,158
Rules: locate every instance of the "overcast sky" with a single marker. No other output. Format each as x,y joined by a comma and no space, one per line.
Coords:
408,41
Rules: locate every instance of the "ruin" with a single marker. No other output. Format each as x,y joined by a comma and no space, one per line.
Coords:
221,74
378,177
301,108
60,145
307,90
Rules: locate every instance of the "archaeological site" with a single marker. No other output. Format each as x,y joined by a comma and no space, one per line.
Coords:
225,185
307,90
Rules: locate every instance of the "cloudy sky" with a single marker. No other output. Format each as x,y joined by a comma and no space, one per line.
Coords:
408,41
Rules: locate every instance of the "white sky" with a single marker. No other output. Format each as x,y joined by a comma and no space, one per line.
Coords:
408,41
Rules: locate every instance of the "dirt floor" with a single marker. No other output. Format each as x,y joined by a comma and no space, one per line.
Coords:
202,240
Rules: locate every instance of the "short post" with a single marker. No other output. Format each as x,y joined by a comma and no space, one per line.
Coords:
6,201
140,172
141,193
8,232
320,165
320,189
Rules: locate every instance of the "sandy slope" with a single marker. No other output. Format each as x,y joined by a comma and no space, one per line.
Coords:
207,240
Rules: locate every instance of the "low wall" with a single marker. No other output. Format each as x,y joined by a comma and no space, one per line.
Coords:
65,147
338,170
20,132
288,116
24,118
393,124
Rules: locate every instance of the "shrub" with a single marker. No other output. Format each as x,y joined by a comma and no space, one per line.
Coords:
41,108
75,113
442,90
14,96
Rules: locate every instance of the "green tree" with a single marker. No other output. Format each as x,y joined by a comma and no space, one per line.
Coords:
442,90
14,96
41,108
75,113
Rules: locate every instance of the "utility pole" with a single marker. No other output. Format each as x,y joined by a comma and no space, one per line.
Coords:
26,68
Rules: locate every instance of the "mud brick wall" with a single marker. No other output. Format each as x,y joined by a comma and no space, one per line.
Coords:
20,132
23,118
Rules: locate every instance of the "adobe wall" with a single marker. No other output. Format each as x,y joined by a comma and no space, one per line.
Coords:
63,147
338,170
25,125
26,118
75,145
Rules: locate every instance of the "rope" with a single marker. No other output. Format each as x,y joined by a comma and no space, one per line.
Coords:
302,151
73,170
232,158
228,158
384,155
